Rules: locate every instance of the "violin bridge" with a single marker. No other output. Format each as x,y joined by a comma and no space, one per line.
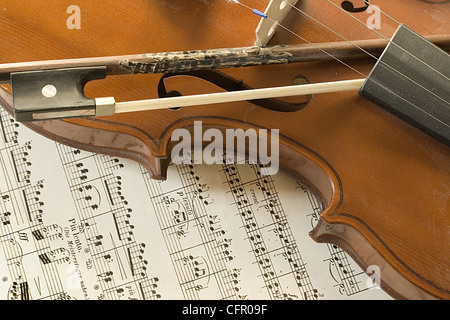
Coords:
276,11
57,94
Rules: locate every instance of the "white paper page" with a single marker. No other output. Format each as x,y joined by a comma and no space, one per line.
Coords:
76,225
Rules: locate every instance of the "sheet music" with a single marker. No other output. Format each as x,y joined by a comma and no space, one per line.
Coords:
77,225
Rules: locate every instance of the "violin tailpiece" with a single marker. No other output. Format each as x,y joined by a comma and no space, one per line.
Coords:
410,80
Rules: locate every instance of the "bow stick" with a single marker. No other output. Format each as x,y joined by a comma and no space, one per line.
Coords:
54,89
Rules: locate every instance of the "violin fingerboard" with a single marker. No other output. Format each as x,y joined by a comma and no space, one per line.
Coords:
411,80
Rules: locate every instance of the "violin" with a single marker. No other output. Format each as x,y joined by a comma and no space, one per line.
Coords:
382,175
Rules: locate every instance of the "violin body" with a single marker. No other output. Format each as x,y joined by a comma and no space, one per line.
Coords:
384,185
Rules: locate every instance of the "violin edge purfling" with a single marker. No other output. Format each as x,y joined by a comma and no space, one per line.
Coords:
389,181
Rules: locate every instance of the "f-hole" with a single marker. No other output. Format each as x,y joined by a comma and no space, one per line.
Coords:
350,7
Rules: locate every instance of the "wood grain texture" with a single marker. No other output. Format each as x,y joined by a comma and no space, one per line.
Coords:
385,185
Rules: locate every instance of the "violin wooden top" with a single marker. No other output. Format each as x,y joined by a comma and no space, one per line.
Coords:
384,185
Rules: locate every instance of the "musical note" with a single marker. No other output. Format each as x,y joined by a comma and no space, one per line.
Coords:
58,255
106,276
19,290
208,232
23,236
4,218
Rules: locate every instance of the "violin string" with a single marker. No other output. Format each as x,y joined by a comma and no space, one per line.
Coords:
303,39
381,85
373,56
317,47
379,10
381,35
349,41
348,66
333,31
361,22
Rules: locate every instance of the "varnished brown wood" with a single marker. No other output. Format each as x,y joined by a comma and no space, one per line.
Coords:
331,51
385,185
